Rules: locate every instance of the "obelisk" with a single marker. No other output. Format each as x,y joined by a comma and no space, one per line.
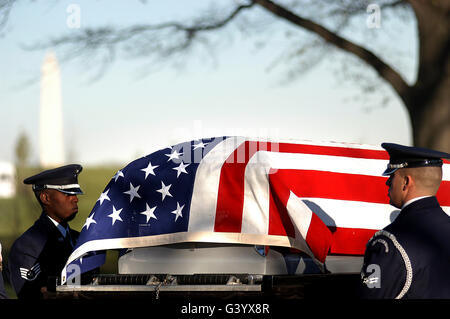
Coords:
51,145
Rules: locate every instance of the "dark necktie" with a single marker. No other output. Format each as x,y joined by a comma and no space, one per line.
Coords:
68,238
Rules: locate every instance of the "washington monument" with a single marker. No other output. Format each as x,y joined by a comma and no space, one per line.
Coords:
51,145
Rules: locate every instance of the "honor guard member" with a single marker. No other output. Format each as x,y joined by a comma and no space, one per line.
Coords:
410,258
44,248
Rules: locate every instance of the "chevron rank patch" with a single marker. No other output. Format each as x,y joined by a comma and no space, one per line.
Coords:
30,274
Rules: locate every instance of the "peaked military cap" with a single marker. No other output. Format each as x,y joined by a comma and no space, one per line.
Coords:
406,156
63,179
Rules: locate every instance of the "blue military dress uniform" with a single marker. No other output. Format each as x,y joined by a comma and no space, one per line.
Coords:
410,258
2,288
413,255
42,251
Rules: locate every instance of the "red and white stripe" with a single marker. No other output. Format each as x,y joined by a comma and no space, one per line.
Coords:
250,189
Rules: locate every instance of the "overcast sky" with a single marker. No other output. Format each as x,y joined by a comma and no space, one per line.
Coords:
239,91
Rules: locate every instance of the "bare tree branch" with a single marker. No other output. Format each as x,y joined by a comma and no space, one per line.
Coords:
110,36
153,41
425,101
384,70
5,10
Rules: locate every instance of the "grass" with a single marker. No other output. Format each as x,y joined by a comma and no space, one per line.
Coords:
19,213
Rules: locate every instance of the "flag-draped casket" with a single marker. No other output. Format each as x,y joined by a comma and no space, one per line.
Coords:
323,199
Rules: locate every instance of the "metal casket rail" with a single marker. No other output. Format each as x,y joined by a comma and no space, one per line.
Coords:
214,285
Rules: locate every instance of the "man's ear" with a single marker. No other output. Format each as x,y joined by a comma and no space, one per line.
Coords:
409,182
44,197
406,180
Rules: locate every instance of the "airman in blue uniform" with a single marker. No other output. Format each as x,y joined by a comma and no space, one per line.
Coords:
410,258
44,248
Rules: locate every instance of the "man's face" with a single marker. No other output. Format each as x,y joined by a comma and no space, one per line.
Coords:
396,191
61,206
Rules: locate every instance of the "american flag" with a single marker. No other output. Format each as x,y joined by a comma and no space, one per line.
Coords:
319,198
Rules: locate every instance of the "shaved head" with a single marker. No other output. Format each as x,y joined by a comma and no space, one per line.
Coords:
427,179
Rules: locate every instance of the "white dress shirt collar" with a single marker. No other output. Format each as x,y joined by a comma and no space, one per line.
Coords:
61,228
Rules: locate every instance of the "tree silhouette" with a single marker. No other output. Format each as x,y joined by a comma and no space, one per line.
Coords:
427,100
22,150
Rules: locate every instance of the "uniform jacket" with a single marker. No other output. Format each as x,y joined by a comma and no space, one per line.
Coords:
40,252
410,258
2,288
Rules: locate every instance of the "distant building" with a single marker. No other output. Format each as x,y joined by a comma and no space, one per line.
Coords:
51,145
7,180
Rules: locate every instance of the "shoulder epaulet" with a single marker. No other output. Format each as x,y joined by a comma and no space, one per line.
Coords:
32,240
377,238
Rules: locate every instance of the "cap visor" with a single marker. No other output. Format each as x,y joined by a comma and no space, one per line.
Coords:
389,171
71,191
